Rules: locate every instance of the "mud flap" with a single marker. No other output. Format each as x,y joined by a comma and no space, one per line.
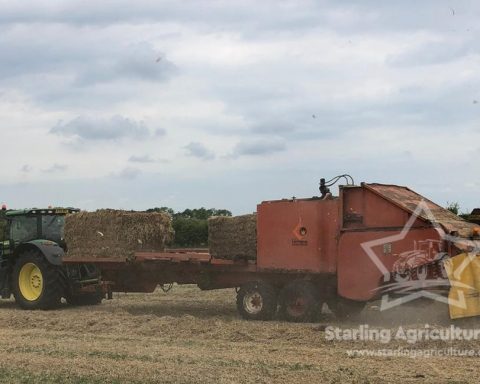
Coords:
463,271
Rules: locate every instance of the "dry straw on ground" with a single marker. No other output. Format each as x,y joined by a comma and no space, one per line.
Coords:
109,233
233,238
193,336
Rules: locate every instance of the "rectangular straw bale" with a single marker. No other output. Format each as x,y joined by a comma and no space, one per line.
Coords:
233,238
109,233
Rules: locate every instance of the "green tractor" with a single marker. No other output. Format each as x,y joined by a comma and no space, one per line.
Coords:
31,268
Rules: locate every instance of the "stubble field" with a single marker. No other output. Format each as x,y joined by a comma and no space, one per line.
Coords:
189,336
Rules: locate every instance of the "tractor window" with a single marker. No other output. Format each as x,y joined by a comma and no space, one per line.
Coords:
3,228
24,228
52,227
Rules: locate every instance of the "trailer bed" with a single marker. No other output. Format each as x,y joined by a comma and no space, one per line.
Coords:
146,270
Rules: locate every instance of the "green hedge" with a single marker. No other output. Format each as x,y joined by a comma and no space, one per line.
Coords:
191,225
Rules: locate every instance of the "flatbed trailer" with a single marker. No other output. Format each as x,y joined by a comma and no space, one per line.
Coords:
258,290
343,251
146,270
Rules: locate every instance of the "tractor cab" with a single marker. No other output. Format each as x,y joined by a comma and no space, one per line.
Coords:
27,225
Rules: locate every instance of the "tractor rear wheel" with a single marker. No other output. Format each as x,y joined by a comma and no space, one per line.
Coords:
37,284
299,301
257,300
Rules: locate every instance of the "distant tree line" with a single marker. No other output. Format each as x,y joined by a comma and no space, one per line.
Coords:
455,208
191,225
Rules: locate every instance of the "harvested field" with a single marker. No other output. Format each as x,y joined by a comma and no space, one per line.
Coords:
109,233
189,336
233,238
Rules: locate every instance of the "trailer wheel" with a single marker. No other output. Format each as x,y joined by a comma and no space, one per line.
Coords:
299,301
37,284
346,309
257,300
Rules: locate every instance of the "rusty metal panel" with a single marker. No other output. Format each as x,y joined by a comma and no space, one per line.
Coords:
408,200
358,276
362,209
297,235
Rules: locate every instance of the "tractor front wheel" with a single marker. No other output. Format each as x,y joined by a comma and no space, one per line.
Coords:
37,284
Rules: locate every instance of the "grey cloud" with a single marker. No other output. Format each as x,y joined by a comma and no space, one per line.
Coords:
159,132
56,168
198,150
128,173
435,53
141,159
272,127
81,68
144,63
89,128
135,62
258,147
26,168
251,18
300,125
250,14
290,117
77,56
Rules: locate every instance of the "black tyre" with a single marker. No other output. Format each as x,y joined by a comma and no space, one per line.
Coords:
257,300
299,301
37,284
346,309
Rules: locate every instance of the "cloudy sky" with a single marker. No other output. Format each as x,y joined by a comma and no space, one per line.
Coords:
224,104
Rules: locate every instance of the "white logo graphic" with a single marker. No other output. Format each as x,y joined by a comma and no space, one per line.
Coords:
414,289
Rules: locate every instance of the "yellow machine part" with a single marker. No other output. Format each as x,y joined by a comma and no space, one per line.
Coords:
464,274
30,282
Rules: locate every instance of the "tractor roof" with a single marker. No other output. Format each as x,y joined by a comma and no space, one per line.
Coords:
42,211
